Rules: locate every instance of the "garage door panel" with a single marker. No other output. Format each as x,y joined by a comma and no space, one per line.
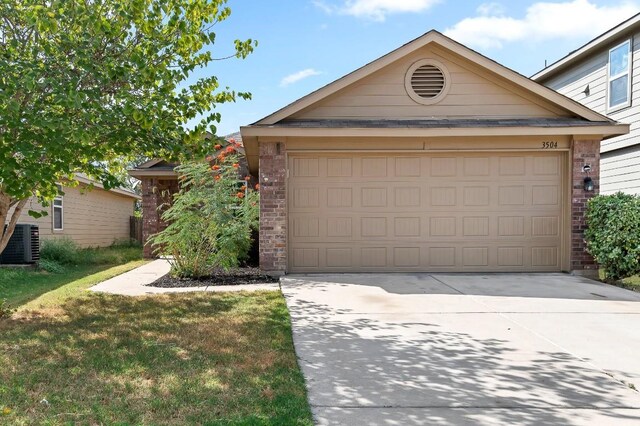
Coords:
511,226
391,199
459,258
313,228
306,167
472,212
510,256
339,167
375,167
546,166
407,167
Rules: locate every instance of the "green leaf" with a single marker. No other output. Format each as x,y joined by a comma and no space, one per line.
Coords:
95,86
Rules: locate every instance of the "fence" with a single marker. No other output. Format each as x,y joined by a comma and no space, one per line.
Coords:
135,228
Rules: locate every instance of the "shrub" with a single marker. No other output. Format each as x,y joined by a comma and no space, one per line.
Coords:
66,252
51,266
63,251
126,243
613,234
5,310
211,218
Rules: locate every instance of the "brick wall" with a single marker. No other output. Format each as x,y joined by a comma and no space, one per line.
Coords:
273,207
584,152
155,193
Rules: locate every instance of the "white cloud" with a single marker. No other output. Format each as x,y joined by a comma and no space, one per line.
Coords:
490,9
542,21
328,9
297,76
375,10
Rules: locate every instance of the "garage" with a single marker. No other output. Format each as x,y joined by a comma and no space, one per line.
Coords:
440,212
432,158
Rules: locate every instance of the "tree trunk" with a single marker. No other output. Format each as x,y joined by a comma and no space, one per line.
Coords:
6,202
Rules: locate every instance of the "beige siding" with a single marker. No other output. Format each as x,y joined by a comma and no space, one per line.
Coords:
620,171
474,93
92,218
593,72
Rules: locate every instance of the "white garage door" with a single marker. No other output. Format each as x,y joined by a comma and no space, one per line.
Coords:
441,212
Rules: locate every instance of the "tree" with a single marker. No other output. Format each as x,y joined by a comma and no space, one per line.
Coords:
84,82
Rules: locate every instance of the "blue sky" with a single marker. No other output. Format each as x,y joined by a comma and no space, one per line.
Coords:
305,44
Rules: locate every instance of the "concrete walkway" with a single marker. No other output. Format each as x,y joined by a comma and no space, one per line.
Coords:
133,283
512,349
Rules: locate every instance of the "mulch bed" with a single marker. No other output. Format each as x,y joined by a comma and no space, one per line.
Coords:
220,277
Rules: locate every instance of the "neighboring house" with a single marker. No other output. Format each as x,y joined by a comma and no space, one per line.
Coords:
87,214
604,75
431,158
159,182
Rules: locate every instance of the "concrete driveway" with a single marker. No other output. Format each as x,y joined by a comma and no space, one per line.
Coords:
421,349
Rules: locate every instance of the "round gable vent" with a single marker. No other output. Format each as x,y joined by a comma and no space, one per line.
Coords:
427,81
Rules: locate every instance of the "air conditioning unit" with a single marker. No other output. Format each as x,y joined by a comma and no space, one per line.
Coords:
23,247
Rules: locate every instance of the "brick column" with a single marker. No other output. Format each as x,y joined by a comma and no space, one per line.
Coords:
584,152
157,194
150,214
273,208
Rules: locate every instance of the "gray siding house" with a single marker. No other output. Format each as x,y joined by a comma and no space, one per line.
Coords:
604,75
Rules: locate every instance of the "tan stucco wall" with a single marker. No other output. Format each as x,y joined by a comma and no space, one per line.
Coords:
92,217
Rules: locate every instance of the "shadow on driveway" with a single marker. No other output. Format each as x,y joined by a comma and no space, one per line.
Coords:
429,349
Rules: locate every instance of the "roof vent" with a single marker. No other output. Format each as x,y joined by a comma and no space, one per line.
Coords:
427,81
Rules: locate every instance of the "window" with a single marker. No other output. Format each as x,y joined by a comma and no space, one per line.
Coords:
58,215
619,84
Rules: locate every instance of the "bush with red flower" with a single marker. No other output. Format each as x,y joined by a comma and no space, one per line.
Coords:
211,218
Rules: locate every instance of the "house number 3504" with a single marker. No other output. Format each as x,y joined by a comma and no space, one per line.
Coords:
549,145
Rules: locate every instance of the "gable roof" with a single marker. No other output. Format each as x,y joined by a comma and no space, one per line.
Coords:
593,45
579,119
436,37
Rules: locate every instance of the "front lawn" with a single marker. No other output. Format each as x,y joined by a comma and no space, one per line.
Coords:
69,356
198,358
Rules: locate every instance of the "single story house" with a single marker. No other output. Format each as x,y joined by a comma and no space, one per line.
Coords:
431,158
87,213
603,76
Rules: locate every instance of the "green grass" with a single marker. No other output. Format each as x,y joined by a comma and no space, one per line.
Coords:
69,356
631,283
87,277
20,286
200,358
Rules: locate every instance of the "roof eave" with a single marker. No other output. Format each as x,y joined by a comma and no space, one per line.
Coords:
251,134
606,130
99,185
587,48
146,173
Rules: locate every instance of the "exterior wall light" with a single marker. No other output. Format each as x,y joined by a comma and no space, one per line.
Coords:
589,185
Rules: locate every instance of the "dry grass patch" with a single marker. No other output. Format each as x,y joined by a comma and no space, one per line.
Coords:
173,360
